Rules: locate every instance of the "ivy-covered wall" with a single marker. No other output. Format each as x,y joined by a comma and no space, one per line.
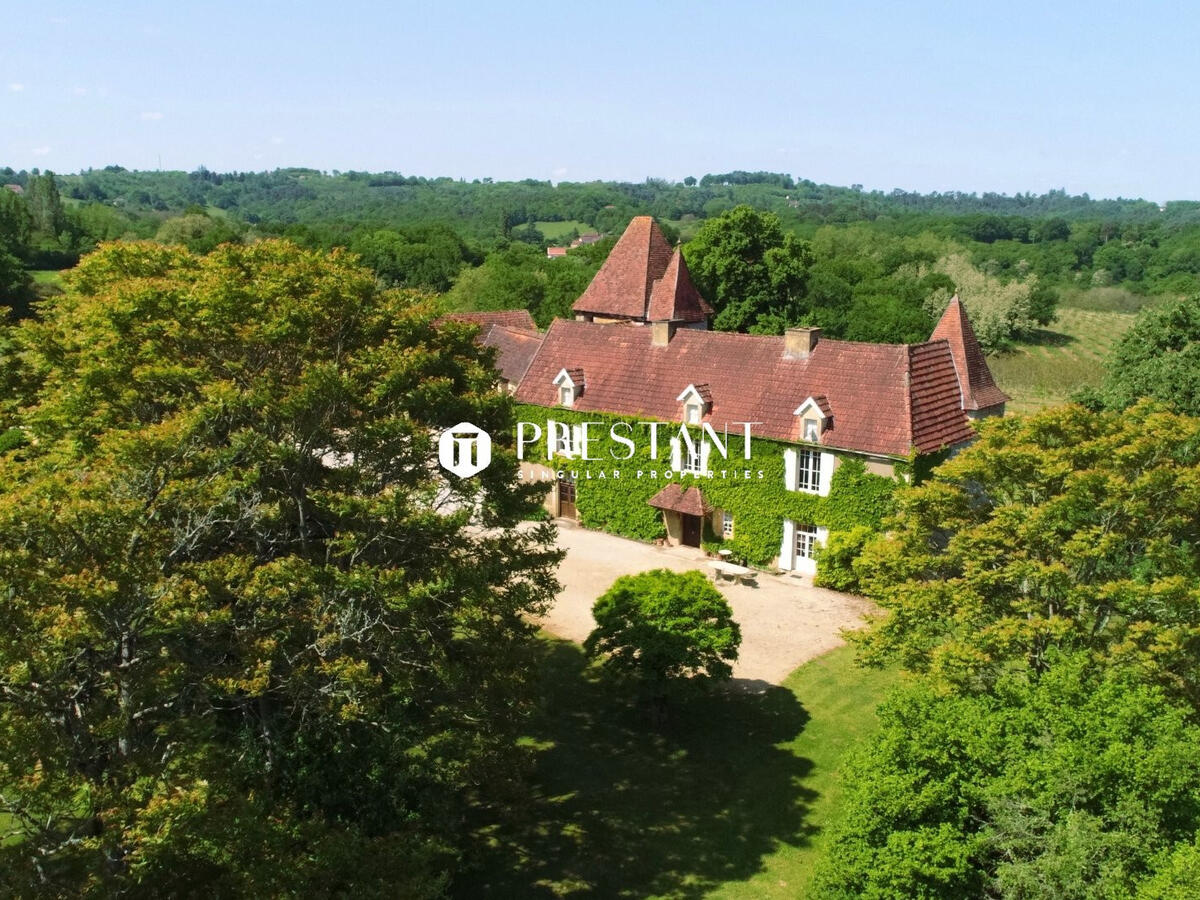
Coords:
758,504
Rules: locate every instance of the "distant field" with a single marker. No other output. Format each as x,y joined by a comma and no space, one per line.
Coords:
1067,356
46,276
556,231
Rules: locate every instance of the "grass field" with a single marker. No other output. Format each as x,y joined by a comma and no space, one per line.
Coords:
1067,356
46,276
729,799
556,231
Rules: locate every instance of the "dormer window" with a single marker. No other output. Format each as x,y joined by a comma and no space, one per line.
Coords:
815,416
570,385
697,401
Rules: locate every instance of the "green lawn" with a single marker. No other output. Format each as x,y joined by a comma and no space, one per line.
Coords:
46,276
728,799
556,231
1067,356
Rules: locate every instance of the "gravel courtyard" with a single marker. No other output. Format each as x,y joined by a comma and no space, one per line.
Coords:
785,621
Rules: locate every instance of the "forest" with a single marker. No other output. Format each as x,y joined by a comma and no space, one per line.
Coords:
864,265
1051,281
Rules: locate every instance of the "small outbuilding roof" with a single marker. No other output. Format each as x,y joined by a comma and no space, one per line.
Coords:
676,498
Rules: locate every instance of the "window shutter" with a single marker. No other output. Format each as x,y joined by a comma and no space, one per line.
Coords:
704,451
577,440
789,470
827,460
822,536
787,550
676,456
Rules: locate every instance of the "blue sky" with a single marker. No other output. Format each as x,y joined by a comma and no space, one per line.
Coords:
1097,97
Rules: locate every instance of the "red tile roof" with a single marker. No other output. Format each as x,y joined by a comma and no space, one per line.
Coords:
979,390
674,298
554,252
622,286
822,403
515,348
512,318
884,399
934,404
675,498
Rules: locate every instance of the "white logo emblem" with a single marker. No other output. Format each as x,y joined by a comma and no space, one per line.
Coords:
465,449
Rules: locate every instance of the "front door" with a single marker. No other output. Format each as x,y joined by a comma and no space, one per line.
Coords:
566,498
691,530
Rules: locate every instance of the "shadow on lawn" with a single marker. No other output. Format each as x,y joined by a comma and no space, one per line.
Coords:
1043,337
621,810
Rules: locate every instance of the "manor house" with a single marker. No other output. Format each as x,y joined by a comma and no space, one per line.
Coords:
640,347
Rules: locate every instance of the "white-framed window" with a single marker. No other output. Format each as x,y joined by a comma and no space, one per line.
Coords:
726,524
563,443
566,395
693,460
812,430
806,541
808,470
692,413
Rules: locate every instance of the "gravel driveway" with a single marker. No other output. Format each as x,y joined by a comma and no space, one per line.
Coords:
785,621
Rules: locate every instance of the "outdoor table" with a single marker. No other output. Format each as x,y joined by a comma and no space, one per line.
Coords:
729,570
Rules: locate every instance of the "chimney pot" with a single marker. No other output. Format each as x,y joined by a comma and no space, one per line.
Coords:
798,343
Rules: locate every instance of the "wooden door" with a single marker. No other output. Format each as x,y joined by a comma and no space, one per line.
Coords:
691,530
566,498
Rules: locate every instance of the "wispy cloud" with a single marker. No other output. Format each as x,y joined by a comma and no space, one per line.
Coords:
151,116
559,172
16,87
80,91
40,151
277,140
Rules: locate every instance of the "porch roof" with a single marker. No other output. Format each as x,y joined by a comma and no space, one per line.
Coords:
676,498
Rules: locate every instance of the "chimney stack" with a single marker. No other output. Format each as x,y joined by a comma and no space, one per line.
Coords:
661,333
798,343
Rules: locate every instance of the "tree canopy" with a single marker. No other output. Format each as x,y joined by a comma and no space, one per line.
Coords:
1073,785
1043,588
662,625
751,270
249,645
1158,357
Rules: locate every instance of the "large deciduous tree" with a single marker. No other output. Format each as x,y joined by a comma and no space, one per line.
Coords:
752,272
1077,784
249,644
1158,357
1043,588
1064,530
662,626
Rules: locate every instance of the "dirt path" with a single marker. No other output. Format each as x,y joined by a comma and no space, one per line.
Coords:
785,621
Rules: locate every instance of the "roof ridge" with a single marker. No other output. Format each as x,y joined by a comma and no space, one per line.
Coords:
908,404
976,382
